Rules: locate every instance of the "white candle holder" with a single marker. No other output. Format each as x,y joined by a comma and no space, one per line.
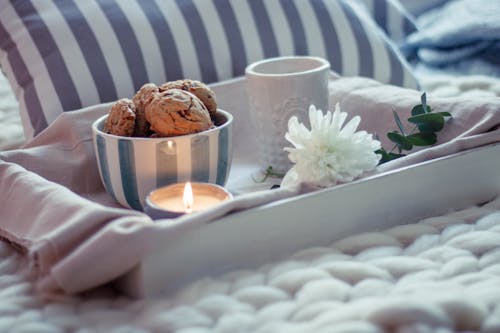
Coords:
169,202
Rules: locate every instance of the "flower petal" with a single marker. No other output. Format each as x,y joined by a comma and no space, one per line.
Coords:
290,180
329,152
351,126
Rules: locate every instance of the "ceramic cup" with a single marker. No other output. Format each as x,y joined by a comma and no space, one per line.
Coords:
131,167
279,88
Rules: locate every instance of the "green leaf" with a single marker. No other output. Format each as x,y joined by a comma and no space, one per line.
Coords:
428,122
381,151
399,123
393,156
387,156
422,139
400,140
420,109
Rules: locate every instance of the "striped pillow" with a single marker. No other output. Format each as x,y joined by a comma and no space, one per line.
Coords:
62,55
392,17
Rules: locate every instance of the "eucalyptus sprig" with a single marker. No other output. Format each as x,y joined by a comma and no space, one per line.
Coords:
427,124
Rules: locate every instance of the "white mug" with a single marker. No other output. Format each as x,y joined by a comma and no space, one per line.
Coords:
279,88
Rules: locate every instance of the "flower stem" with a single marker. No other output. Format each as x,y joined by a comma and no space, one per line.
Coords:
268,173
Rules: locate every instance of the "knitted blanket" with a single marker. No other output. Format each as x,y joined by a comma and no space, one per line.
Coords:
438,275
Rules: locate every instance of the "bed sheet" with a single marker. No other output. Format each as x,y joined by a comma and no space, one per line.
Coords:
459,37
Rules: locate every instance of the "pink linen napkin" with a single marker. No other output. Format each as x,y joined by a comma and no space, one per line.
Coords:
56,209
52,198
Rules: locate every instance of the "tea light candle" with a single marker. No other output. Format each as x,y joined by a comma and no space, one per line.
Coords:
183,198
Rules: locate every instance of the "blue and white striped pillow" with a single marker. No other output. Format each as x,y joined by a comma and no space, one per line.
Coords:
392,17
62,55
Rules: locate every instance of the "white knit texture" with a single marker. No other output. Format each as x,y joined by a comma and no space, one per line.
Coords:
438,275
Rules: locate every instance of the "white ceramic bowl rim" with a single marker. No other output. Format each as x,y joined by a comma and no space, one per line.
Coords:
226,115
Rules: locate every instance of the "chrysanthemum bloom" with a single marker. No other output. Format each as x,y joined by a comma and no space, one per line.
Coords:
328,153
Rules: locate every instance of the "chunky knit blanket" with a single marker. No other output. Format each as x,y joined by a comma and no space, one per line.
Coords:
441,274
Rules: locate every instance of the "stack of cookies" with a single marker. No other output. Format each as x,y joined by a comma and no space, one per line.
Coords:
171,109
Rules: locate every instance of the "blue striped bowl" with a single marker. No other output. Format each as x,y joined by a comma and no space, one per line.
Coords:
131,167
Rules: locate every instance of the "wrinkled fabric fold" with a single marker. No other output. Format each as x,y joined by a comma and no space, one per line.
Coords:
475,121
468,43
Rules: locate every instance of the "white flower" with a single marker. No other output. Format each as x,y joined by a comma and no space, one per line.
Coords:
328,154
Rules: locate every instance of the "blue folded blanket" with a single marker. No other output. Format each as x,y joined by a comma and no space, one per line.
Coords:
460,32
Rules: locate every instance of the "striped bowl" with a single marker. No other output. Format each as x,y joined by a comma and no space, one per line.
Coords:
131,167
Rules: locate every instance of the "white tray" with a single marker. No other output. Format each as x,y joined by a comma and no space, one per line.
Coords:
251,238
272,232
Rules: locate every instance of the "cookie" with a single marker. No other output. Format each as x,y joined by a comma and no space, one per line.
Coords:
197,88
177,112
121,118
142,98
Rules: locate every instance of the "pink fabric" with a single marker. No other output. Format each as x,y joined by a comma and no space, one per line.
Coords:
52,198
55,208
475,120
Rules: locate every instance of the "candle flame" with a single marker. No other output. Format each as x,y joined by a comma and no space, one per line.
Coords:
188,198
